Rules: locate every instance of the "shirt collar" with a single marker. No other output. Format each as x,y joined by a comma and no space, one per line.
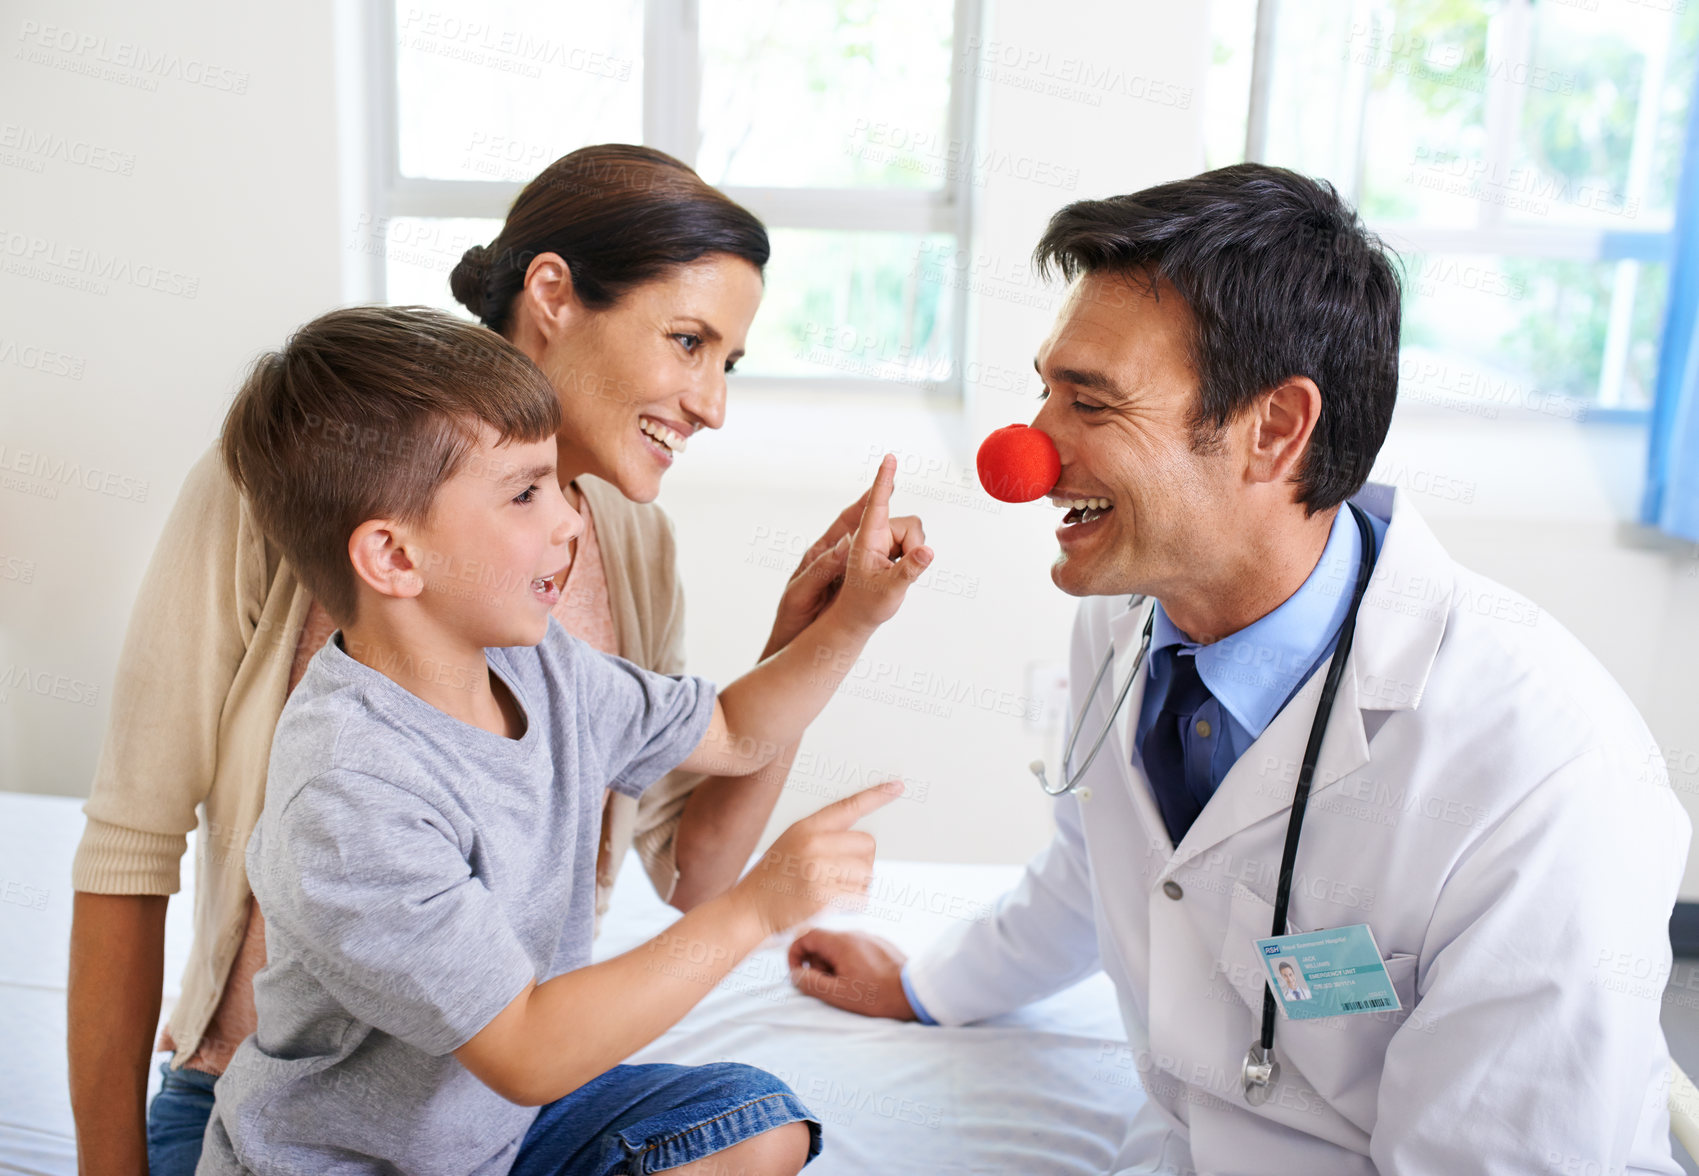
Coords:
1255,671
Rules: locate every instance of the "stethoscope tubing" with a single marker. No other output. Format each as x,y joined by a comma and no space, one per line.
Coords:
1070,780
1312,754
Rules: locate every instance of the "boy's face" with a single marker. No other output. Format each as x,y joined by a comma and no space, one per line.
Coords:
492,548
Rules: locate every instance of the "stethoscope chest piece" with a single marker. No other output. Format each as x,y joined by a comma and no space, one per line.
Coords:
1261,1072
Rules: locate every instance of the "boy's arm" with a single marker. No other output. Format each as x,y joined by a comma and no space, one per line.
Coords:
765,712
555,1036
723,816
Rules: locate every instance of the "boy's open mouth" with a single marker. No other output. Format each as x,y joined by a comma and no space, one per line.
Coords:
666,441
1081,510
547,589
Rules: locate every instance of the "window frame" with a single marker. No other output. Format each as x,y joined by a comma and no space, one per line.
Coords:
1492,235
671,103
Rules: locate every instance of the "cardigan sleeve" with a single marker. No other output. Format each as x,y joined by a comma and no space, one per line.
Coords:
193,620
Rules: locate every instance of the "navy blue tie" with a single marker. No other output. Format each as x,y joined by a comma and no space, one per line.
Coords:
1179,800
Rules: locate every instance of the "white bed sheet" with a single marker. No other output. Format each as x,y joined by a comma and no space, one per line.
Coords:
1042,1092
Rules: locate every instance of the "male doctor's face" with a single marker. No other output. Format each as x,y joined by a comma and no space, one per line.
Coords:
1119,396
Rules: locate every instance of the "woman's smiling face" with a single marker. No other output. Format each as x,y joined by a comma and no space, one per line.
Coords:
638,378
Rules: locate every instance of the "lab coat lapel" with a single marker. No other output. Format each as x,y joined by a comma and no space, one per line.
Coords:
1126,631
1261,783
1399,627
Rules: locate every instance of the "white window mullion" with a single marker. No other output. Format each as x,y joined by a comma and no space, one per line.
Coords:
1510,42
411,196
1613,368
1262,81
384,161
891,210
1565,244
963,129
1358,78
672,77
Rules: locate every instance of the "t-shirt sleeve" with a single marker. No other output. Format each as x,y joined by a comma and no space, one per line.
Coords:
640,725
366,884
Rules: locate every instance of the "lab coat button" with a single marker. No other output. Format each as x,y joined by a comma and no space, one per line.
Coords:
1172,889
1083,793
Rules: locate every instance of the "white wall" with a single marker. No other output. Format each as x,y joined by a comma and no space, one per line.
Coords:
239,192
150,286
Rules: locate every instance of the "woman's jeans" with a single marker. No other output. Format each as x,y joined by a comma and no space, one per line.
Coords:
176,1121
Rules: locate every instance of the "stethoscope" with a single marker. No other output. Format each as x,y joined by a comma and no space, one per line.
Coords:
1261,1070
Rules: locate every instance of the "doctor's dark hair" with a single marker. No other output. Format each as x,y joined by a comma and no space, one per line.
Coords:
364,414
619,216
1282,280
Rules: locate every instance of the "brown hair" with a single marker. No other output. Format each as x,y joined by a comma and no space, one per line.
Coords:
619,216
362,415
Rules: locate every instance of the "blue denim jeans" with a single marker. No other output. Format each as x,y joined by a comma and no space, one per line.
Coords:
639,1119
176,1121
633,1119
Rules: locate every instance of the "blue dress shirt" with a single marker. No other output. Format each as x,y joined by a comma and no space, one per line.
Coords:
1254,673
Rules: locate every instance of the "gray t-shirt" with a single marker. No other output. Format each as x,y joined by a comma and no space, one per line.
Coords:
416,873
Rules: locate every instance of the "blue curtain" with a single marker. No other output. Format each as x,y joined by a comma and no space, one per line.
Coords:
1672,473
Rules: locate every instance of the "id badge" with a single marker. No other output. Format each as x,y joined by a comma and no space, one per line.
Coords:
1327,973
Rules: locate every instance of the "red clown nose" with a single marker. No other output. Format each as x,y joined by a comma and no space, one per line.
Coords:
1018,463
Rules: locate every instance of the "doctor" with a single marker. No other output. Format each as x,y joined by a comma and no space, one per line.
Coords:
1486,801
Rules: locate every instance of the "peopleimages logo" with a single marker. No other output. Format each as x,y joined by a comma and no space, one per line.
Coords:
125,62
42,474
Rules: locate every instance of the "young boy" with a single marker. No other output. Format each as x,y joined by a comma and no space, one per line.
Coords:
425,857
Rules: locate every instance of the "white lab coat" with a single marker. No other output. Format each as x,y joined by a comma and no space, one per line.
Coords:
1487,800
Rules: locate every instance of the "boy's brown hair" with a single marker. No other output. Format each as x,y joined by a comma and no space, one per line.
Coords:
362,415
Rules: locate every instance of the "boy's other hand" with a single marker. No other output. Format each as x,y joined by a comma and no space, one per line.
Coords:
818,862
851,970
884,558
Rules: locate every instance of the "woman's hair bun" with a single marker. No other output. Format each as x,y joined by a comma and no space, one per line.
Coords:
618,216
471,278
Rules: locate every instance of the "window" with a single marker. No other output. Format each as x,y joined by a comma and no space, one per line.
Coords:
1521,157
838,122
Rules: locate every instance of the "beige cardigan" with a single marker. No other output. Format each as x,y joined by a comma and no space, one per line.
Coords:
201,682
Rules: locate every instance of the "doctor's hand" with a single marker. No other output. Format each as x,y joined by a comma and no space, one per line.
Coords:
821,572
851,970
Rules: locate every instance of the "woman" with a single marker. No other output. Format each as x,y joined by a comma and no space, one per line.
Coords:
632,285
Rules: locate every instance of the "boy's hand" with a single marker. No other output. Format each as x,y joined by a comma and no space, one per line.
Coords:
820,573
883,561
818,862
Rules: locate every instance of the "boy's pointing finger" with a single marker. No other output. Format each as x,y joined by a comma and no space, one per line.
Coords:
876,515
841,814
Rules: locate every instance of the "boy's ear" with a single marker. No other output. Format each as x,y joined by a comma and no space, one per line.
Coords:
548,297
383,561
